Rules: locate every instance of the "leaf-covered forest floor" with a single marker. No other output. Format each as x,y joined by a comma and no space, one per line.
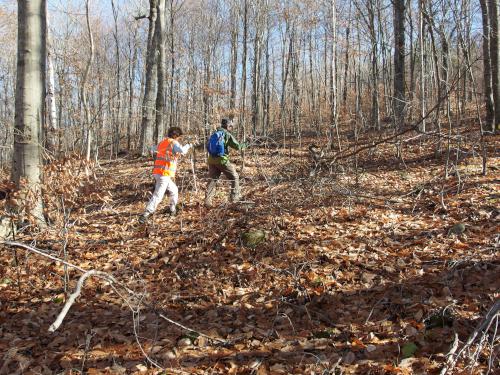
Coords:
360,270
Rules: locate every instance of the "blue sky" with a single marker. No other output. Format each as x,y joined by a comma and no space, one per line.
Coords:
77,7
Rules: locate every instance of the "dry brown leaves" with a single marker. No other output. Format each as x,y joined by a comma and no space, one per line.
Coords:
353,271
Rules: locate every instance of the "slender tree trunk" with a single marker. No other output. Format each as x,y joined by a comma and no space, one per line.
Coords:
256,75
30,92
161,75
289,33
399,61
333,81
346,67
375,111
52,134
267,83
132,67
149,83
422,65
117,110
172,63
488,93
88,123
494,8
244,68
234,59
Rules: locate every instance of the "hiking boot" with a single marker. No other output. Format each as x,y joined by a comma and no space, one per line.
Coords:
144,217
172,211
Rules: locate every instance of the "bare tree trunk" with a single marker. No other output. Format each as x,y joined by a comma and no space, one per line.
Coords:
52,134
488,92
312,93
494,8
88,123
244,68
242,124
289,33
267,83
333,81
172,64
399,61
117,118
234,59
346,65
150,83
294,75
30,91
132,67
375,111
161,67
257,49
422,65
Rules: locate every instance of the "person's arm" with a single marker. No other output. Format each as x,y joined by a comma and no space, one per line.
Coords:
233,143
179,149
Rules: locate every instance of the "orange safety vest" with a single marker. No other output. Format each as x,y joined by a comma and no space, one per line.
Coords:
165,161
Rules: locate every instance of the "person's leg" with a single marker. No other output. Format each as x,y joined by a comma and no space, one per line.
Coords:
160,188
229,171
213,175
173,192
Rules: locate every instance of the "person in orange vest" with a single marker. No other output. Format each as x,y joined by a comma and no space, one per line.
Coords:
167,154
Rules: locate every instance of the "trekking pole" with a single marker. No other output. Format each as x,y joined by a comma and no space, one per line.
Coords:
193,170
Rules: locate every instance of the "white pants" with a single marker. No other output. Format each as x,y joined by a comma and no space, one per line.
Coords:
163,184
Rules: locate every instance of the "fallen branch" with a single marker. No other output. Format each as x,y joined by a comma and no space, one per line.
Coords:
341,155
451,353
192,330
42,253
113,283
69,302
480,332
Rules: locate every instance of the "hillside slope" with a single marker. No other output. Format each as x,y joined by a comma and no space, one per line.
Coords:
360,271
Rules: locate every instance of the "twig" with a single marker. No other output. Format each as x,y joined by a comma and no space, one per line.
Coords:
88,340
39,252
192,330
69,302
482,329
114,283
450,354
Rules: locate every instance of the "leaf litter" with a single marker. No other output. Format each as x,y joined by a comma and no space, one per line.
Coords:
355,272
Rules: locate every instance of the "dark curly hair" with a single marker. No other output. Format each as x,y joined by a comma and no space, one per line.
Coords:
174,132
224,123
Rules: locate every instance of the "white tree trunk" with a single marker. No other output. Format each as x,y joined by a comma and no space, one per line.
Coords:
30,85
88,137
52,141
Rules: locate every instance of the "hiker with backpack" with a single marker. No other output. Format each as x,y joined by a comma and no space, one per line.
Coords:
167,152
218,161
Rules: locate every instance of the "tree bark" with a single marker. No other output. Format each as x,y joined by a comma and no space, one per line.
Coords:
161,69
234,59
494,8
488,93
150,83
88,129
117,109
29,117
244,68
52,134
399,62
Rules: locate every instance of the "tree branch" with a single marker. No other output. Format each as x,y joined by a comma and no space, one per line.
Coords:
54,326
